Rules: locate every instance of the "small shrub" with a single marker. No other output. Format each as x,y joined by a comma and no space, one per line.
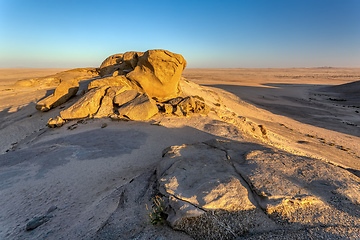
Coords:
156,214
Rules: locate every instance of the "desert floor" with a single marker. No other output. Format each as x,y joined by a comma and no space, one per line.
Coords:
307,112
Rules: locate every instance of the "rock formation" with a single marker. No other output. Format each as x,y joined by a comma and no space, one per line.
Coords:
63,92
139,78
87,106
158,73
224,189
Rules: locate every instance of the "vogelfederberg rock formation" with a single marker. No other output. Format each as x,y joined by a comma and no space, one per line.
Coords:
128,86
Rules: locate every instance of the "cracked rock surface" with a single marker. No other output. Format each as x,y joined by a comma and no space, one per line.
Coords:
223,190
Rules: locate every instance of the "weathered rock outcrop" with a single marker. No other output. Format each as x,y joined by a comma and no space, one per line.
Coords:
63,92
140,108
131,84
185,106
123,62
79,74
117,81
158,73
223,190
86,106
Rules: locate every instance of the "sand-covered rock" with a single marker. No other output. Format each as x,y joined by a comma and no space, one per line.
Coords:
63,92
86,106
158,73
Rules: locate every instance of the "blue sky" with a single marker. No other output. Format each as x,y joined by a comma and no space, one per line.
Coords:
234,34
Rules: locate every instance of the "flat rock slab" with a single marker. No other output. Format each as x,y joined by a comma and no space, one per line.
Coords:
87,106
224,190
140,108
63,92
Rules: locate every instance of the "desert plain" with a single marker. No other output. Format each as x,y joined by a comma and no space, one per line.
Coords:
276,157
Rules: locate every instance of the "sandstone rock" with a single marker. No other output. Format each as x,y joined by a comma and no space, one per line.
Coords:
175,101
63,92
177,111
141,108
79,74
106,107
107,104
158,73
191,105
55,122
125,97
201,107
223,189
207,198
168,108
110,63
123,63
86,106
187,105
117,81
131,58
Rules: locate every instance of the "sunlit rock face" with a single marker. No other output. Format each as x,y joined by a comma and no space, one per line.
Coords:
87,106
158,73
154,75
122,63
223,189
63,92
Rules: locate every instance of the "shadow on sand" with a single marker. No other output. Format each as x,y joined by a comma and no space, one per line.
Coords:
320,113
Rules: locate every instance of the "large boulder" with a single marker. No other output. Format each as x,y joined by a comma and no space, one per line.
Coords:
86,106
123,62
63,92
110,63
141,108
55,122
158,73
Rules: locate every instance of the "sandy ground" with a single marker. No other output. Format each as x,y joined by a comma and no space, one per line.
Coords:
76,175
297,103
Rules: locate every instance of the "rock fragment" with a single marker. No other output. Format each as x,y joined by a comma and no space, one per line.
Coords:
87,106
55,122
158,73
125,97
63,92
139,109
36,222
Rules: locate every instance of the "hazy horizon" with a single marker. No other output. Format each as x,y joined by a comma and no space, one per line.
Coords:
211,34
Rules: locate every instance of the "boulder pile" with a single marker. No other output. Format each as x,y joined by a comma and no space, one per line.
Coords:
133,85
